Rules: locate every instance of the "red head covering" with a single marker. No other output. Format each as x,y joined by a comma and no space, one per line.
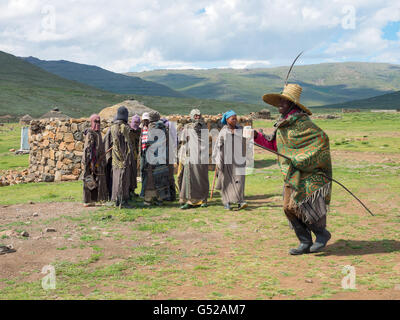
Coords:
95,122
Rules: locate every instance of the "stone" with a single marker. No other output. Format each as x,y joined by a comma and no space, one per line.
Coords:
78,136
36,214
62,146
25,234
7,249
71,146
309,281
12,150
57,176
47,177
50,230
74,127
69,178
68,137
59,136
79,146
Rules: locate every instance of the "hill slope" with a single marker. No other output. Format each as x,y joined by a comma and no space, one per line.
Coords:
25,88
104,79
385,101
323,84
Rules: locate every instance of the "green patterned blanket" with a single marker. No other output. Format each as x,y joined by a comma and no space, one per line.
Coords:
308,146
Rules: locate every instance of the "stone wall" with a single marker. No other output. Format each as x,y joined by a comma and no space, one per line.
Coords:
56,148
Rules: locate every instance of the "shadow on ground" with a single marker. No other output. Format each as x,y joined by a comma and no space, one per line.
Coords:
258,164
360,247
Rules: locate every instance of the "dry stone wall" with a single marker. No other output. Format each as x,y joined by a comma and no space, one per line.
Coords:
56,148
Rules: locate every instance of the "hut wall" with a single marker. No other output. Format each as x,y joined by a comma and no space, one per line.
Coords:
56,146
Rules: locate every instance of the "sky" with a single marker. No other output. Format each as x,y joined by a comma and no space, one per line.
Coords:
133,35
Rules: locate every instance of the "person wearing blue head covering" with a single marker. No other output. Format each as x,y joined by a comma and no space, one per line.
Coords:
227,115
229,153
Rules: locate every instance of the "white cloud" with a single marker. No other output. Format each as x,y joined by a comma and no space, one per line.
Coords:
136,35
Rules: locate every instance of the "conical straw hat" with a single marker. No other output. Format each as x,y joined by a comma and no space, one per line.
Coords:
291,92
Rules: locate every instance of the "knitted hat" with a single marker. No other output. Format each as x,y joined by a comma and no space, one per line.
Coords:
122,114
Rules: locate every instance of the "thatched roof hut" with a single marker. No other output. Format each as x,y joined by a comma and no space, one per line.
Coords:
133,106
25,120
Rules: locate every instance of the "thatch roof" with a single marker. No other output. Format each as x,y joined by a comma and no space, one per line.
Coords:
26,118
55,113
133,106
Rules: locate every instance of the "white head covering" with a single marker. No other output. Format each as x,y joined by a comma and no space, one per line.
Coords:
146,116
194,112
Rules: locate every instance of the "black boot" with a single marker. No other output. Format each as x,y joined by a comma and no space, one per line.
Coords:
322,239
304,235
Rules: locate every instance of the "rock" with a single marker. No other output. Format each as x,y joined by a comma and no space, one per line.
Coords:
24,234
36,214
7,249
309,281
68,137
69,178
47,177
50,230
12,150
78,136
57,176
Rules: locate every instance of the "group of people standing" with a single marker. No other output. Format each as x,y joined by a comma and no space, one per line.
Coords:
305,165
111,165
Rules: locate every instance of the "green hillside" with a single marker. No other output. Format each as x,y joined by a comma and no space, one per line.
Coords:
323,84
104,79
386,101
25,88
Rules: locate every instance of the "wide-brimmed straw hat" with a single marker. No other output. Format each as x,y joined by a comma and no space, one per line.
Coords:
291,92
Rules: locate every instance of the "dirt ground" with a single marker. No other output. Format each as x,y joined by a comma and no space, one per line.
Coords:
42,248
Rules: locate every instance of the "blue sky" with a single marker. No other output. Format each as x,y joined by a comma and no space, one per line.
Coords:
177,34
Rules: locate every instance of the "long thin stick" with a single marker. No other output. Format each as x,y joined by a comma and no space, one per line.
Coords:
329,178
213,183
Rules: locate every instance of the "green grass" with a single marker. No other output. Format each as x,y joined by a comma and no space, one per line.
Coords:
212,253
10,138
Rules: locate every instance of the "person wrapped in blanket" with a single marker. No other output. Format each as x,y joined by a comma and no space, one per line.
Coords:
94,165
192,171
117,138
154,161
307,192
134,134
229,154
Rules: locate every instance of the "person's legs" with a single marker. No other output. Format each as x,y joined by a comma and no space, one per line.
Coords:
299,227
322,235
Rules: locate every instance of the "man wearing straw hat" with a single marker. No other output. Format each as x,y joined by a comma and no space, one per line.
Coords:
307,192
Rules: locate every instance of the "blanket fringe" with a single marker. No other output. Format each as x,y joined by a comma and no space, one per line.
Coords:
307,216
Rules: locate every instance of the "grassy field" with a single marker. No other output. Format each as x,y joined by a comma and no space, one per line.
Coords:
10,135
167,253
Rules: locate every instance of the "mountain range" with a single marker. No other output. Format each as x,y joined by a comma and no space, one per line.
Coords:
323,84
30,85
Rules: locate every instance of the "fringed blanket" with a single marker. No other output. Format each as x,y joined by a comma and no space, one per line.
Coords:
308,146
